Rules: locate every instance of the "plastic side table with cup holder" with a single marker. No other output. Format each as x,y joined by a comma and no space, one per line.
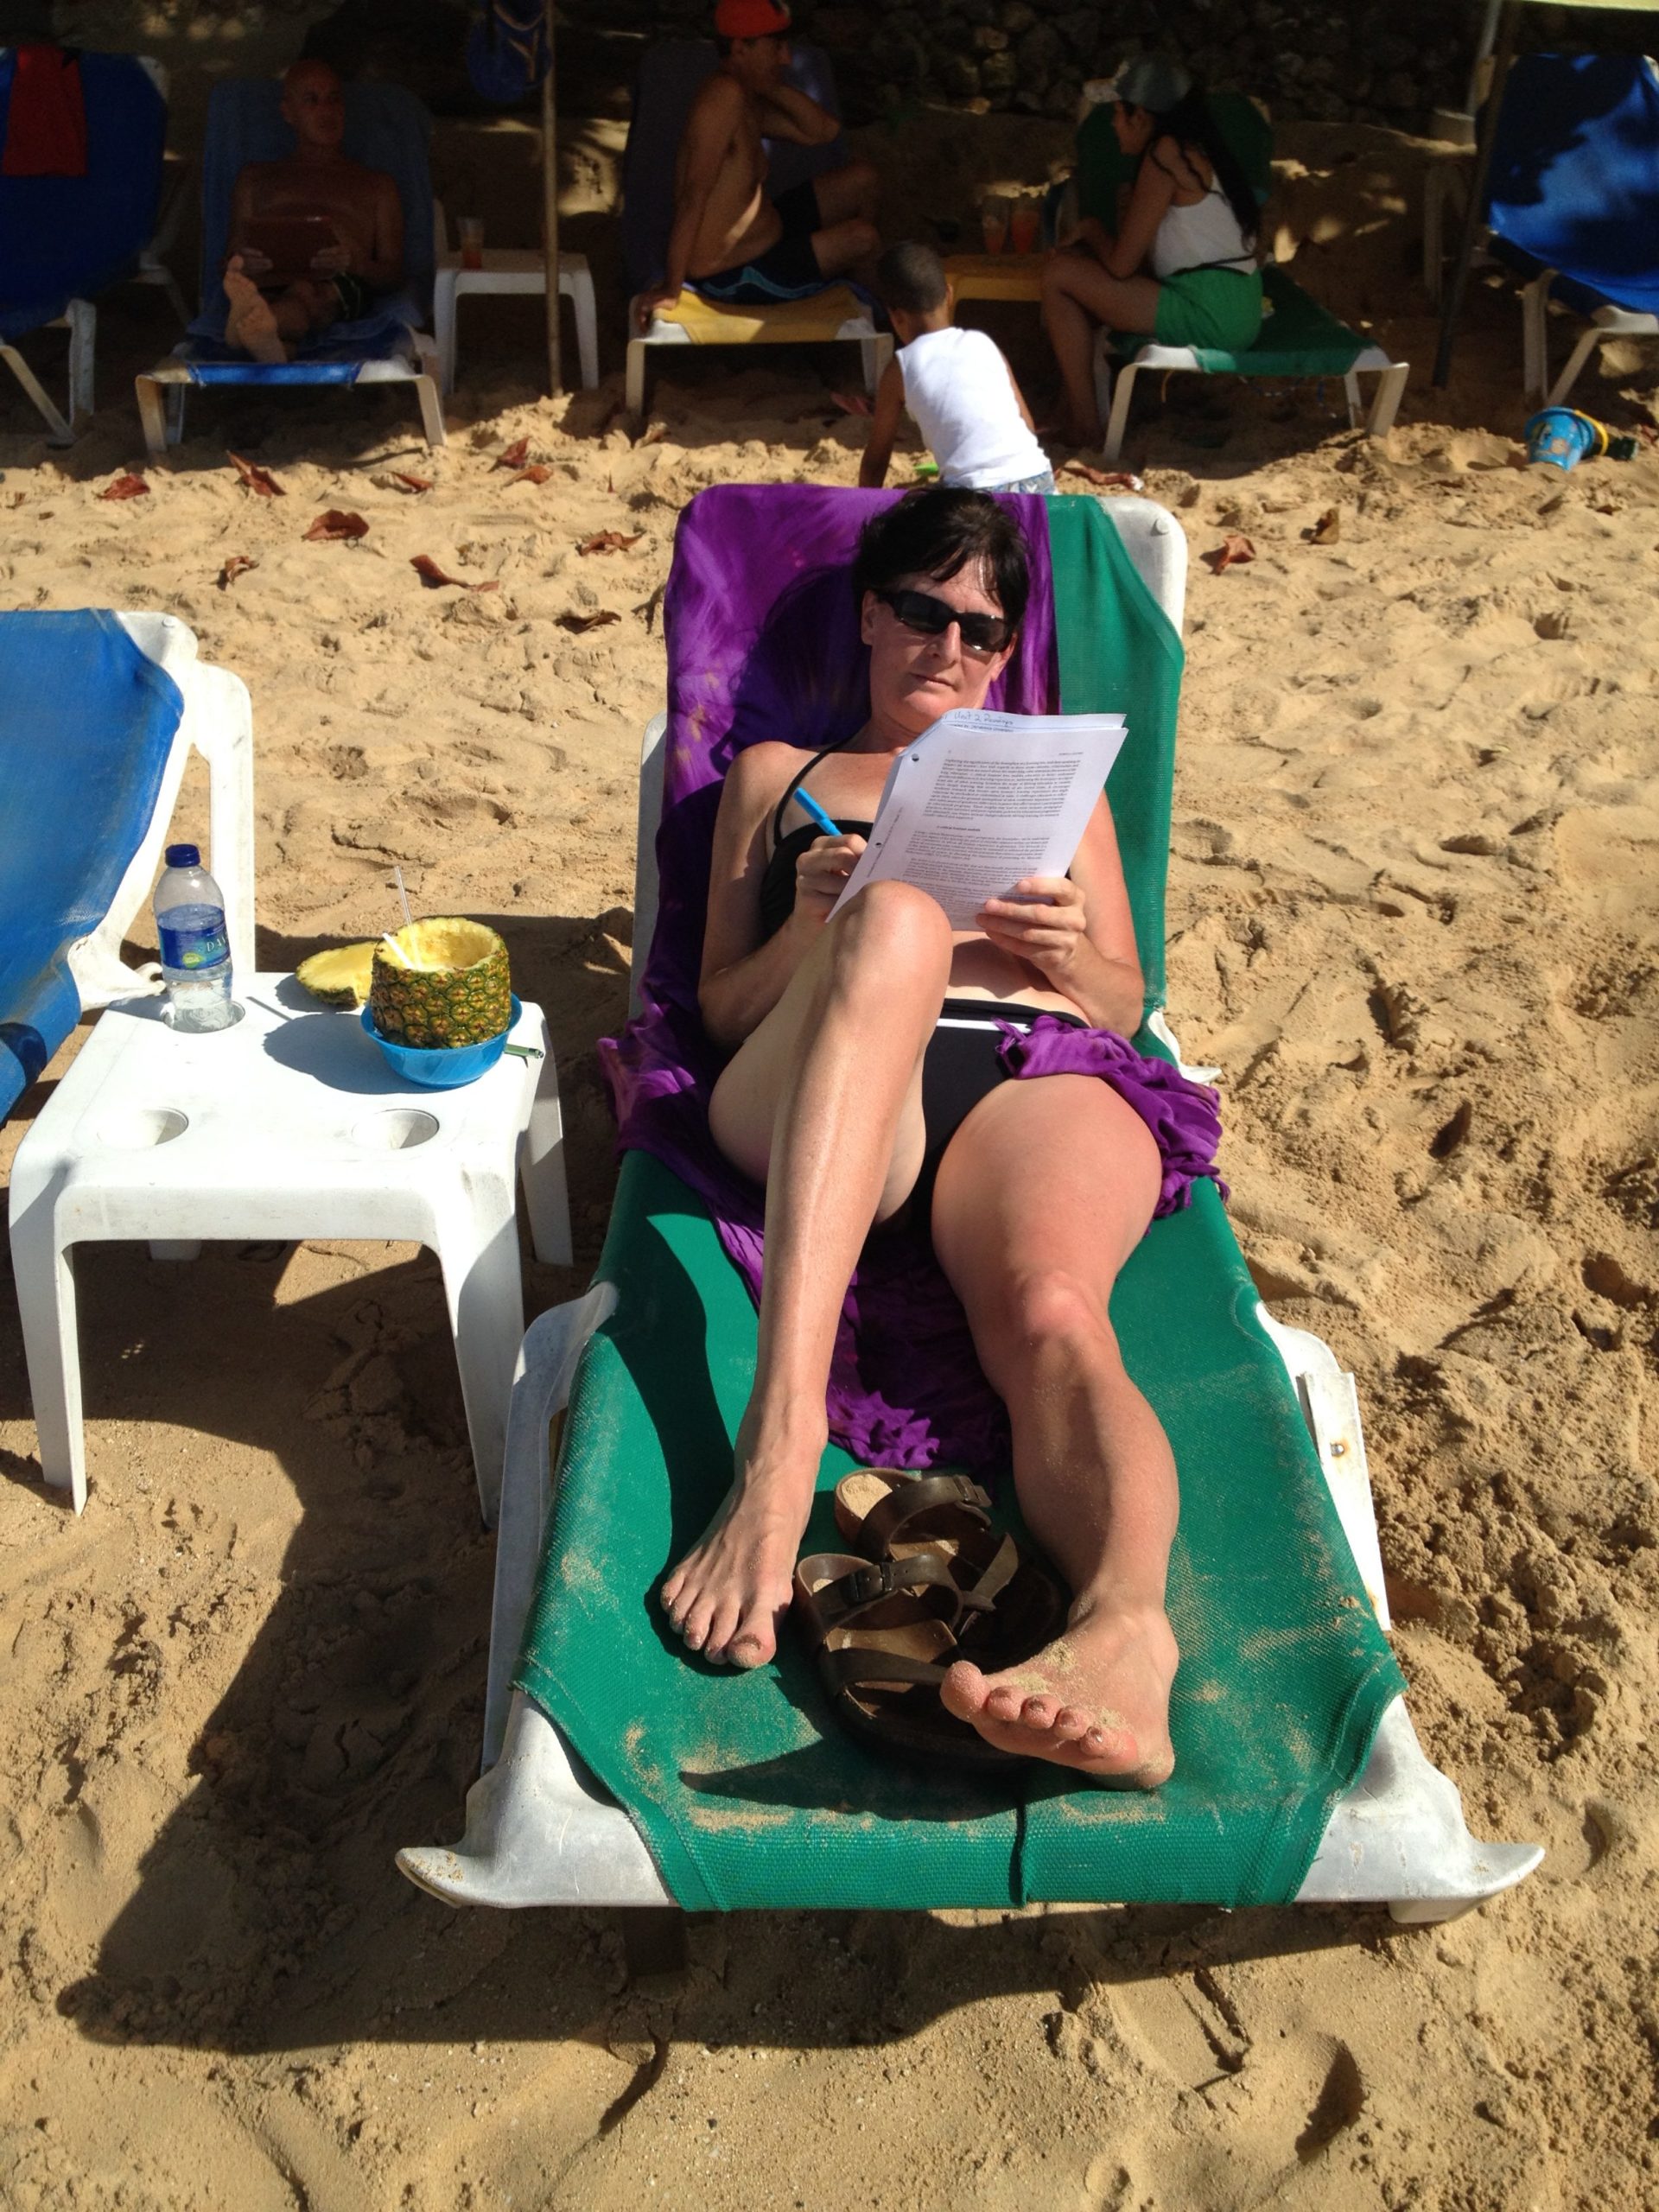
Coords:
510,269
288,1124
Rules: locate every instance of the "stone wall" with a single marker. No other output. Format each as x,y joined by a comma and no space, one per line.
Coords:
1310,59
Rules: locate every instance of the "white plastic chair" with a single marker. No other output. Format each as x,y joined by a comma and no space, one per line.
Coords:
218,723
540,1832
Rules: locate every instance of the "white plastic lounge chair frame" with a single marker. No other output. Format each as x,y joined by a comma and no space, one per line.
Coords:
542,1831
1113,392
161,393
874,348
218,723
1445,189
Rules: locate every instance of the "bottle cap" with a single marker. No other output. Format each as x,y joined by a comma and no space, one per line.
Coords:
184,857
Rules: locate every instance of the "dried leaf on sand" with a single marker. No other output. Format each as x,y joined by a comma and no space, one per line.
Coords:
1122,479
125,487
433,576
514,456
406,482
609,540
256,479
1233,547
537,472
236,564
336,522
578,623
1327,529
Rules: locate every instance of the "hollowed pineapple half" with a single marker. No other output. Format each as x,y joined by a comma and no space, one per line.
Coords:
338,976
439,984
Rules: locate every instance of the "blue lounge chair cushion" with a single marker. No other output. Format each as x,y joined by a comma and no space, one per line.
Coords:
87,724
1575,177
386,128
65,238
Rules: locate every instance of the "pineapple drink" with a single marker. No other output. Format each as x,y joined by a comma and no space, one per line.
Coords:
440,983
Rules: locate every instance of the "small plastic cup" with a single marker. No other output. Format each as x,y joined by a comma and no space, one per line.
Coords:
1023,224
1560,437
994,219
471,228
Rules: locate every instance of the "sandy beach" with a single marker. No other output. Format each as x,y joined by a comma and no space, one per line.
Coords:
1412,920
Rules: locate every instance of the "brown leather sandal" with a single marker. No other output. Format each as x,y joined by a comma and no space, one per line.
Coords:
890,1513
883,1634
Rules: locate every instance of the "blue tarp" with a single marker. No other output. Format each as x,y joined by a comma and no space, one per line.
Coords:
1575,177
65,238
386,128
87,724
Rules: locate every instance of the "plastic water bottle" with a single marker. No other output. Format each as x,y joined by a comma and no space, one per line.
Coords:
195,946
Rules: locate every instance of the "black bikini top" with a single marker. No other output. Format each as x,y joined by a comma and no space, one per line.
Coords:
777,884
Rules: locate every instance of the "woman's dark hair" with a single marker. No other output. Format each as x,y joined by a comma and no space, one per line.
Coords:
1190,123
937,531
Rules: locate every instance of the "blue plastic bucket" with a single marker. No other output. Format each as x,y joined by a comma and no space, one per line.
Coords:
441,1067
1560,437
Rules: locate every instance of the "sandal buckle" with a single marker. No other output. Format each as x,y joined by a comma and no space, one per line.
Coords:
869,1583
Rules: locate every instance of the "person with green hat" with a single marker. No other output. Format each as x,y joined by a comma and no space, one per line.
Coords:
730,240
1180,265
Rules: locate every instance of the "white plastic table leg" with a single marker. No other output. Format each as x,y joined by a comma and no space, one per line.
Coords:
578,284
541,1166
44,1275
478,1250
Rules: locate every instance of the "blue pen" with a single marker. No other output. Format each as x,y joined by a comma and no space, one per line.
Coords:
809,805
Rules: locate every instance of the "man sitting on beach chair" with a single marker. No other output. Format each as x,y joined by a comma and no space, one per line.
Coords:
729,241
313,239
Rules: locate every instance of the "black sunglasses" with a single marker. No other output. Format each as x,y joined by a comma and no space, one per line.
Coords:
932,618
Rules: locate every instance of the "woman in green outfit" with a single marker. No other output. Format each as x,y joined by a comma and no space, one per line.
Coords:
1182,263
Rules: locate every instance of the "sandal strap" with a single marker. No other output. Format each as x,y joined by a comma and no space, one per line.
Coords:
846,1668
836,1603
885,1521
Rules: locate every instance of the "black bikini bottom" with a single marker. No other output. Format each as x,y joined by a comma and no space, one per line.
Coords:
959,1068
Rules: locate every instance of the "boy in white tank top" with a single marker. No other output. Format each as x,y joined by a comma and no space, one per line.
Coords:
955,384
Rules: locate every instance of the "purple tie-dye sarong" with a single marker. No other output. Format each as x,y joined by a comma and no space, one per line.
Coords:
763,643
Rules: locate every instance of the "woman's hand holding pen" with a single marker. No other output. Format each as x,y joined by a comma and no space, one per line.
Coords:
821,874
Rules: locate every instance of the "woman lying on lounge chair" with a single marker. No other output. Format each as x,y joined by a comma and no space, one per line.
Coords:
868,1077
1181,266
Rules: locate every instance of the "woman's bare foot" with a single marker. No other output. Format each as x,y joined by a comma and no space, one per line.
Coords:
250,323
728,1595
1096,1699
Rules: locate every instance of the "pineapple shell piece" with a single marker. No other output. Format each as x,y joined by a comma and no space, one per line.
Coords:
338,976
440,982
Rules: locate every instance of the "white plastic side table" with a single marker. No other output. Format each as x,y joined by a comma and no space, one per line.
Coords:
290,1124
512,269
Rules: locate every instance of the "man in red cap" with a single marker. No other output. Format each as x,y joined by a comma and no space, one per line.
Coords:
729,241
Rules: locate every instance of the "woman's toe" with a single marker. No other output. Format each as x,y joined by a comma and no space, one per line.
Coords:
1039,1711
1004,1703
962,1691
1069,1723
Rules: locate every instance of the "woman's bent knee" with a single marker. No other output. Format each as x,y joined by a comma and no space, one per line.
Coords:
1049,1309
895,926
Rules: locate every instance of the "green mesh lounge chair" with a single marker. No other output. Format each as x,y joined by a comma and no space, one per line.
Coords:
618,1772
1298,338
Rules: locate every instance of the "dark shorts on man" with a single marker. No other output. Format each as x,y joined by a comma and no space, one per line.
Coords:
788,270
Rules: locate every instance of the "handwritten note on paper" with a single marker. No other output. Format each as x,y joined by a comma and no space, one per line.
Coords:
982,799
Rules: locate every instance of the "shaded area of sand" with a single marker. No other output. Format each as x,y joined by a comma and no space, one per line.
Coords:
1412,917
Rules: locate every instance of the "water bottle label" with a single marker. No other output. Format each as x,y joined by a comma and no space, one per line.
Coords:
194,945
